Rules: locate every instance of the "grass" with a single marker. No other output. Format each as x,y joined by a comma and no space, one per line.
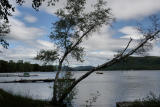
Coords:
150,101
10,100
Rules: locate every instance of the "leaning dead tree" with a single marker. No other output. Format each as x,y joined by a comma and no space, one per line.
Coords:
73,26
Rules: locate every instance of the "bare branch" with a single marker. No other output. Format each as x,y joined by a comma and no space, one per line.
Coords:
122,53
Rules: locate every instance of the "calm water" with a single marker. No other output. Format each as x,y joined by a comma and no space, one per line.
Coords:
113,86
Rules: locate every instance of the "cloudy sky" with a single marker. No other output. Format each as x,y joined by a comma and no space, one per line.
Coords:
30,30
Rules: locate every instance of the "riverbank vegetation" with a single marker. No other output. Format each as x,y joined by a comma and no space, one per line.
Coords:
10,100
150,101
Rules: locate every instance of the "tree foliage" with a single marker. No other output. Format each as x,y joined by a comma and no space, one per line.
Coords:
147,31
47,56
6,9
75,25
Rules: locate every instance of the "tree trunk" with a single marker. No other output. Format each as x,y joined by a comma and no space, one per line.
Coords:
54,99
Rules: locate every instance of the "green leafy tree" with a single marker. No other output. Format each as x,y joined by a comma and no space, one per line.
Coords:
74,25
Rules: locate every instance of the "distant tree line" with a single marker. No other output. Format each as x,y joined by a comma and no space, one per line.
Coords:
20,66
137,63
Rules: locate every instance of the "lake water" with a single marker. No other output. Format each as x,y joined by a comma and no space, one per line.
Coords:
113,86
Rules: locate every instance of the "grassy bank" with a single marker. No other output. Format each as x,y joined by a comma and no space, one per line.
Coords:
9,100
149,101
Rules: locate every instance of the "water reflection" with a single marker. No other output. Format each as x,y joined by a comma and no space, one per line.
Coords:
113,86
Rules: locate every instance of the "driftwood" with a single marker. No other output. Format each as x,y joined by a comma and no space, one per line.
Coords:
35,80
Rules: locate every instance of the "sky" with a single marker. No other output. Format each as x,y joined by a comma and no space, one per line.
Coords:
30,30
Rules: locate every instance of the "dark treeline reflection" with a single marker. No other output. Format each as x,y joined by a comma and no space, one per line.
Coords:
20,66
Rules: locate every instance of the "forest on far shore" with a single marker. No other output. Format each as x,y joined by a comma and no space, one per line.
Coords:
131,63
137,63
20,66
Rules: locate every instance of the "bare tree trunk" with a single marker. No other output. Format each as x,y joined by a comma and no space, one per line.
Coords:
107,64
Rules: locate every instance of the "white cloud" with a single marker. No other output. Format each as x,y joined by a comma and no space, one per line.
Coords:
19,31
121,9
30,19
101,46
25,52
24,41
131,32
131,9
156,49
45,44
19,52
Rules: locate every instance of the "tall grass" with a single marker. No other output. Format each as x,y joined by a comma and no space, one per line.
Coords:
10,100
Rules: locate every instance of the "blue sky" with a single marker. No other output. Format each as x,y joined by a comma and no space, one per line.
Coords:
30,30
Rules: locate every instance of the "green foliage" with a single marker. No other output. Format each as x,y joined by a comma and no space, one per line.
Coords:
6,7
147,31
47,55
150,101
9,100
37,3
74,25
5,11
78,53
63,85
4,29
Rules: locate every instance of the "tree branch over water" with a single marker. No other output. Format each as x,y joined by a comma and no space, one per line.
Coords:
148,37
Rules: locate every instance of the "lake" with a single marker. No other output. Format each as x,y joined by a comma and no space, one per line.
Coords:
113,86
